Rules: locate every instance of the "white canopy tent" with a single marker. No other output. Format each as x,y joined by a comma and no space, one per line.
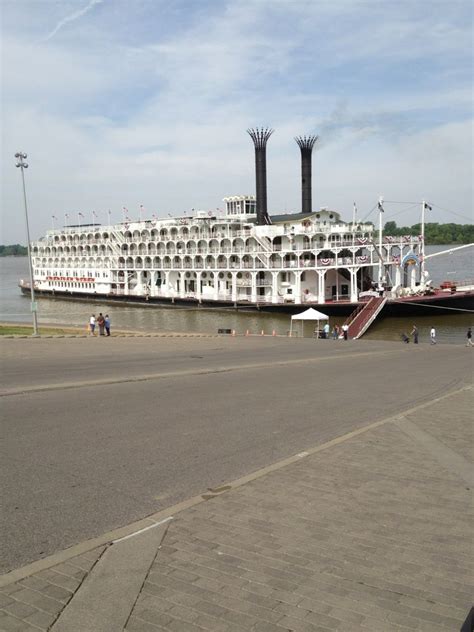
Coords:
308,314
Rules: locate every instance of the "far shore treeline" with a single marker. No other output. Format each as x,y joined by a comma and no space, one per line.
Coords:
14,250
434,234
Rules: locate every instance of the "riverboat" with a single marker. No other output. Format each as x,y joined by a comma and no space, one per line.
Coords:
243,258
297,260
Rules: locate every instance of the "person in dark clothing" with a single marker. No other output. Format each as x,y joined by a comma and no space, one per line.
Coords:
107,324
469,342
414,333
101,323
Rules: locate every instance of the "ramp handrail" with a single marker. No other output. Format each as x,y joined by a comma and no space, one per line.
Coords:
361,319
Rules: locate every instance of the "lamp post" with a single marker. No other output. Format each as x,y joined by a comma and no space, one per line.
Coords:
21,157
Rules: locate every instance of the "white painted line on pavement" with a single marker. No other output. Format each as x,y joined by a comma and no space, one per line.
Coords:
152,526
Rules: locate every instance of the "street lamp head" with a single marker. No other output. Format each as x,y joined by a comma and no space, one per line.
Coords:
20,156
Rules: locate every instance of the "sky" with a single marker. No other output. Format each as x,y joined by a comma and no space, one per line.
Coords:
122,103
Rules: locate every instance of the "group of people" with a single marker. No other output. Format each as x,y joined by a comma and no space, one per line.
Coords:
414,333
337,332
102,322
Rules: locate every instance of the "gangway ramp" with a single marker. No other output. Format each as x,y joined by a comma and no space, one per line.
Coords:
361,319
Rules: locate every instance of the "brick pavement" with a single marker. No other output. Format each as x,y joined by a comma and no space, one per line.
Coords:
372,533
34,603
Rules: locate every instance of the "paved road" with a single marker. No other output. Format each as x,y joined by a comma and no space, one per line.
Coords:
80,457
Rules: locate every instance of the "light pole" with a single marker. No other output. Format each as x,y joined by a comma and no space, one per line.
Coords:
21,157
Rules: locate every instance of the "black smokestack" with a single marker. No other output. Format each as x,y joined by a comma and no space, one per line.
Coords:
306,144
260,138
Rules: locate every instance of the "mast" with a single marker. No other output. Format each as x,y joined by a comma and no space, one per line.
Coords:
381,210
422,235
260,138
306,144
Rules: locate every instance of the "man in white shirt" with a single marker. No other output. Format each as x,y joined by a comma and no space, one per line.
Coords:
345,329
433,336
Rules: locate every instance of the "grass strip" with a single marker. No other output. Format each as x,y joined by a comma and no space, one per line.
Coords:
26,330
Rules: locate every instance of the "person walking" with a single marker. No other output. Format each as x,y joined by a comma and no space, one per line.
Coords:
335,332
432,336
326,331
345,330
101,323
92,324
469,342
107,325
414,333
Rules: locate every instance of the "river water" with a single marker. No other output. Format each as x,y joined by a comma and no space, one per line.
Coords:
15,307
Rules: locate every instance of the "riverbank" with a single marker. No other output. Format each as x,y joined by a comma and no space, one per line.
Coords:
49,330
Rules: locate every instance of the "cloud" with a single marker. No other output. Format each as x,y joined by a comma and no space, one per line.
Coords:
149,105
71,18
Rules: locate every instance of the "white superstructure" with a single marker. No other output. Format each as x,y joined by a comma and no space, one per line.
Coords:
299,258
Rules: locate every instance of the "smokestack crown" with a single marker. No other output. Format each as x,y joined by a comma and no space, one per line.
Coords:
306,142
260,136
